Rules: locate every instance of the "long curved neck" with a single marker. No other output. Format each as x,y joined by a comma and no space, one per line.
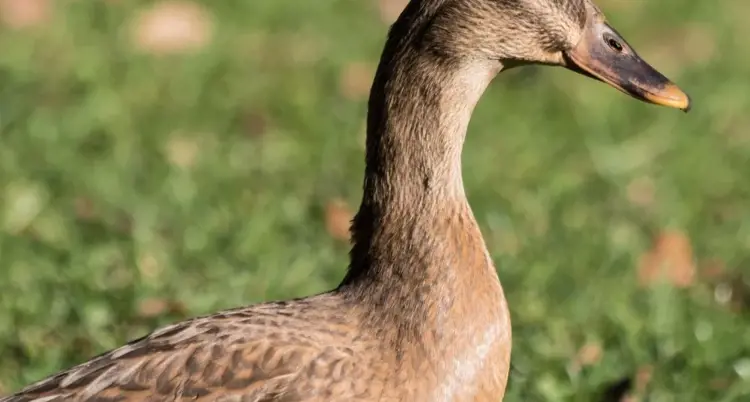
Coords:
414,234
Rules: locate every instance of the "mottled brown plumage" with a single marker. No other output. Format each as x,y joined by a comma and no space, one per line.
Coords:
420,315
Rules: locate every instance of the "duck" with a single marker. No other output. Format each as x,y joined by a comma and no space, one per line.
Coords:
420,314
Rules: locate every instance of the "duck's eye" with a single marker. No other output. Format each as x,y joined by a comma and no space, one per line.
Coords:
614,44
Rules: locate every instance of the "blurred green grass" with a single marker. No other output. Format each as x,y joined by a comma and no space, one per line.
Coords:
136,189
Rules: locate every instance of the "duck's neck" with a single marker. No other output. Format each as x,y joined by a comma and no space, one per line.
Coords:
417,247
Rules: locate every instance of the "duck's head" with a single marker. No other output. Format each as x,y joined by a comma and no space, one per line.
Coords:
569,33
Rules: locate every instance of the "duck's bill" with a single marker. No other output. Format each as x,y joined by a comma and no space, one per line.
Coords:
602,54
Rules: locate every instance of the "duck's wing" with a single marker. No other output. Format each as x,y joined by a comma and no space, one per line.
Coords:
254,354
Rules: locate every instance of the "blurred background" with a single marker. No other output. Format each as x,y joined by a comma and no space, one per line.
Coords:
165,159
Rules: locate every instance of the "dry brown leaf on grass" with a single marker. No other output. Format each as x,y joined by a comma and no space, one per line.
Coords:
642,378
18,14
154,307
355,80
172,26
588,355
670,259
338,218
391,9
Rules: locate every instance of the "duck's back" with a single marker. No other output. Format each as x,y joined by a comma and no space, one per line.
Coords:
300,350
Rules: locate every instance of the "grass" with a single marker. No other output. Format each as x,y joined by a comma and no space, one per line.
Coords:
137,190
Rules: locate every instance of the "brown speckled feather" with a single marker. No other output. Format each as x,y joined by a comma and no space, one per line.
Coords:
280,351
